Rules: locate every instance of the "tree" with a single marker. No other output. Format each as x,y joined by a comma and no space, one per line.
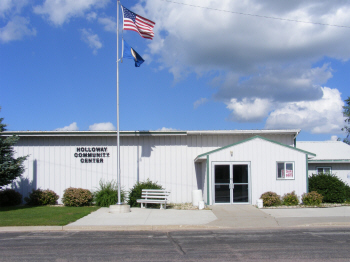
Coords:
10,167
346,113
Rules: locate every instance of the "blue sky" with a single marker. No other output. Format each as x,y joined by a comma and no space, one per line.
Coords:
207,68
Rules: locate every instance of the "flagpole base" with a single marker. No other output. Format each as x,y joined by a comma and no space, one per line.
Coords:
119,209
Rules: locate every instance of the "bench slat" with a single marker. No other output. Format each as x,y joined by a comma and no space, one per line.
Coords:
150,201
154,196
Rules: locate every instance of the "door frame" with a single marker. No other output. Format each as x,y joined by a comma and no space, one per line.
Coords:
231,163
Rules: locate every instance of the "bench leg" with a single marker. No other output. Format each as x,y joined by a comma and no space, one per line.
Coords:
161,206
142,206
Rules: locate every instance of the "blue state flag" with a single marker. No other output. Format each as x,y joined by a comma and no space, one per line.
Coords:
130,53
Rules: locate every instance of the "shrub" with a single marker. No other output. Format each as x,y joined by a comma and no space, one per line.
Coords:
270,199
347,193
77,197
10,197
329,186
312,198
41,197
290,199
136,192
107,194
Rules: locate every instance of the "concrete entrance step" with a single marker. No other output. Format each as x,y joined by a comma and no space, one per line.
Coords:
241,216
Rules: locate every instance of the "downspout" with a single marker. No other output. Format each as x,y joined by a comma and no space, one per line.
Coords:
208,180
307,173
295,139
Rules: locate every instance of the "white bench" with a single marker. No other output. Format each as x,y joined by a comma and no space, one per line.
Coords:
154,196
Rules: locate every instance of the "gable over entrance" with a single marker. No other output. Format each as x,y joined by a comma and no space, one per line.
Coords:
265,166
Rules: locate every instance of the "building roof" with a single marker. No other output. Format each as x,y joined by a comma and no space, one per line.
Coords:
293,132
326,151
202,157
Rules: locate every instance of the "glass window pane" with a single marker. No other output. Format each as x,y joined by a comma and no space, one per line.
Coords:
240,193
240,174
222,194
280,170
327,170
222,174
289,170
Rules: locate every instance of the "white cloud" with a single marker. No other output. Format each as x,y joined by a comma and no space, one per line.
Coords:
249,110
72,127
334,138
199,102
60,11
91,16
164,129
11,7
321,116
5,6
91,39
16,29
265,63
102,127
108,23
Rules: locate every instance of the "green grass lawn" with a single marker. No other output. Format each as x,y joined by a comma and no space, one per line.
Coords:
42,215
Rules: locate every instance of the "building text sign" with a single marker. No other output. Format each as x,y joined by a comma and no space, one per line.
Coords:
91,154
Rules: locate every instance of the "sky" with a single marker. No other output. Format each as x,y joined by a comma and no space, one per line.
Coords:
212,65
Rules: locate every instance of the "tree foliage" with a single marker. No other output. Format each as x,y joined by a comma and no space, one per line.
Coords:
346,113
10,167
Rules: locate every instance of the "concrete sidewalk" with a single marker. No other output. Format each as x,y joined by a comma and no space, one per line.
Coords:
219,217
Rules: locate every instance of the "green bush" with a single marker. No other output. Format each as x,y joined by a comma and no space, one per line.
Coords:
41,197
136,192
107,194
10,197
329,186
312,199
290,199
77,197
347,193
270,199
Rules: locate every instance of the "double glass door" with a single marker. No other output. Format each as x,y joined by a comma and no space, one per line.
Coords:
231,182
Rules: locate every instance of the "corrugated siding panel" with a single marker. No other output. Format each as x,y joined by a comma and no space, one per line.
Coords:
341,170
263,156
168,160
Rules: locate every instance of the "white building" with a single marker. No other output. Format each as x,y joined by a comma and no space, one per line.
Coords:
331,157
233,166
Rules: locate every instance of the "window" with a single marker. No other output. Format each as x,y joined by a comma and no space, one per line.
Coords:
285,170
325,170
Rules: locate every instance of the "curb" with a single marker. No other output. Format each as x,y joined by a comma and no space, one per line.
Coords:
159,227
108,228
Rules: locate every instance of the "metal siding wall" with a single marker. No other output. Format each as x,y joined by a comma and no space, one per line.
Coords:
263,156
168,160
56,166
341,170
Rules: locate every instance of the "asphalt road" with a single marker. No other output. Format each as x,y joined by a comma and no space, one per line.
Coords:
302,244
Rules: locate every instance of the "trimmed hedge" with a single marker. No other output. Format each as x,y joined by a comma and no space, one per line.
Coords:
41,197
329,186
312,199
290,199
270,199
10,197
77,197
136,192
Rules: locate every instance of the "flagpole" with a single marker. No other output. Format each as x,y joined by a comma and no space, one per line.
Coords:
118,138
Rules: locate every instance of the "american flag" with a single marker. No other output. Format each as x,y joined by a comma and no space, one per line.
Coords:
137,23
